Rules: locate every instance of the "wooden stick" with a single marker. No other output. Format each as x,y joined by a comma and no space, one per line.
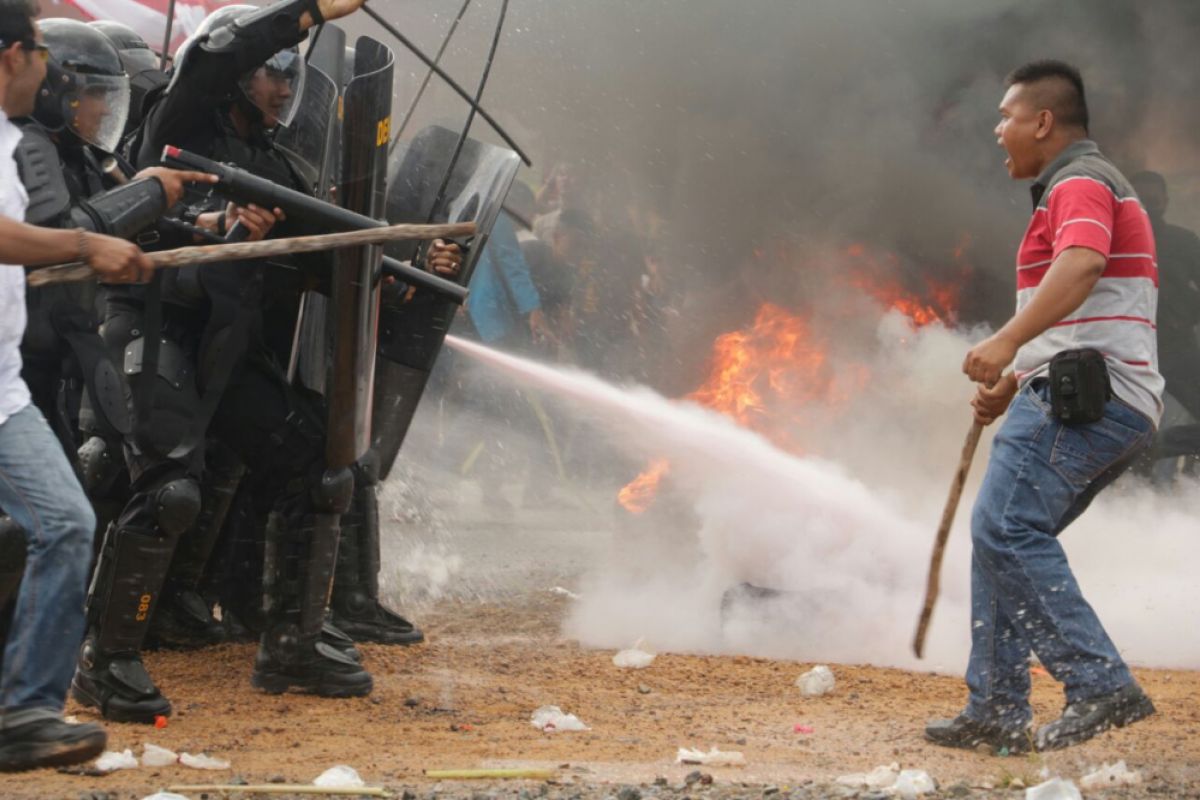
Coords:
239,251
943,533
484,774
283,788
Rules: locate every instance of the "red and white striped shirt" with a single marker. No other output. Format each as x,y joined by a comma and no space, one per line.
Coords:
1082,200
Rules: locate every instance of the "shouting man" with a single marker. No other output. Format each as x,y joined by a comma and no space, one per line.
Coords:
1083,399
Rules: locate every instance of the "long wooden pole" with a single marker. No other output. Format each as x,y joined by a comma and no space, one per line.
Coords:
241,251
933,583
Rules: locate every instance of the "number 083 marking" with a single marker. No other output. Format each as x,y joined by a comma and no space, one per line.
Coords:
383,131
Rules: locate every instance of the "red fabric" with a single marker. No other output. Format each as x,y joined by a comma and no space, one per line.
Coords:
147,17
1083,212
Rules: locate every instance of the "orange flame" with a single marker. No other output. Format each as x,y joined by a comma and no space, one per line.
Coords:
779,362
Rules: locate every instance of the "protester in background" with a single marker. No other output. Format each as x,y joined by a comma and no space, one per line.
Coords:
1087,291
1179,295
38,488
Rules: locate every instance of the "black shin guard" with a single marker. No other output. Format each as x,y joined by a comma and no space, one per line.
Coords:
298,570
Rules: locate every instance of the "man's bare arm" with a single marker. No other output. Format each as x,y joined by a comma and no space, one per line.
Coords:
1062,291
114,259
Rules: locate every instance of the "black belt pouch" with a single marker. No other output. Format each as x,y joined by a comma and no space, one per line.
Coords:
1079,386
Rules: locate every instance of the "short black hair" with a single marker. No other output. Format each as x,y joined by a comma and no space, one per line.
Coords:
16,20
1149,177
1066,99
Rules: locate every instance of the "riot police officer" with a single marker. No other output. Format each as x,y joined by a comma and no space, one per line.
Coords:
193,348
142,65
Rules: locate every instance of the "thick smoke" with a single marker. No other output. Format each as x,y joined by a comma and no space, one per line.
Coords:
795,129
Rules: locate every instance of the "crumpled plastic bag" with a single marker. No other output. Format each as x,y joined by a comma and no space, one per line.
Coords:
633,658
155,756
817,681
713,758
339,777
202,761
1110,775
878,778
551,718
912,783
111,761
1054,789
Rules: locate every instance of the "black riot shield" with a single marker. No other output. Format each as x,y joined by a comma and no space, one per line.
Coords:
413,325
354,304
317,129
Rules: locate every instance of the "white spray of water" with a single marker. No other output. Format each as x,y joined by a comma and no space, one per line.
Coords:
852,556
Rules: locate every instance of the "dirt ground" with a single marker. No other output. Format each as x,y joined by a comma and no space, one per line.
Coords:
496,652
465,698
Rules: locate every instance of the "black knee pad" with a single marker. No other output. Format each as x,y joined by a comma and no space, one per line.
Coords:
176,505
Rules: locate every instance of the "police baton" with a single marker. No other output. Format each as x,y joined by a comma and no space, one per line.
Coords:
269,248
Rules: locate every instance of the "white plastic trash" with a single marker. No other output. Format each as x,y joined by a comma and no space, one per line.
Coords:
165,796
551,719
817,681
202,762
1054,789
1110,775
878,778
912,783
155,756
339,777
713,758
112,761
633,658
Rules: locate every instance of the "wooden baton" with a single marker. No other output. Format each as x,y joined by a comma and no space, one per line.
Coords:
240,251
943,533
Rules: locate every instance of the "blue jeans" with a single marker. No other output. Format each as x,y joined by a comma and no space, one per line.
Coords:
39,490
1041,476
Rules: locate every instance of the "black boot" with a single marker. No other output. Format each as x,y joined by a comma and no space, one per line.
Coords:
968,734
118,686
292,654
49,742
355,605
183,619
125,589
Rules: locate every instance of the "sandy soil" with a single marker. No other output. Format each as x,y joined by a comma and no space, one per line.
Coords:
465,698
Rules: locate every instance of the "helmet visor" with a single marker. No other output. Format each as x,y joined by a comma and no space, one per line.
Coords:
96,109
275,87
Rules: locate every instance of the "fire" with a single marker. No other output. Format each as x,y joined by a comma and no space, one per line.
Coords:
762,374
881,279
638,495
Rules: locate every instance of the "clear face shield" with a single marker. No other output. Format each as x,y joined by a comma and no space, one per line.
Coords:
275,88
96,109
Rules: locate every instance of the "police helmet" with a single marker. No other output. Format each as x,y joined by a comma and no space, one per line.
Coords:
86,91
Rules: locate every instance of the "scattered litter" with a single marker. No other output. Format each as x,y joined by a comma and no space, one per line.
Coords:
339,777
634,658
112,761
155,756
713,758
559,590
878,778
552,718
1110,775
644,689
798,728
202,761
164,796
160,722
817,681
1054,789
913,783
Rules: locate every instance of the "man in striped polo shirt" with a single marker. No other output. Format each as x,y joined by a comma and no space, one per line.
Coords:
1086,278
